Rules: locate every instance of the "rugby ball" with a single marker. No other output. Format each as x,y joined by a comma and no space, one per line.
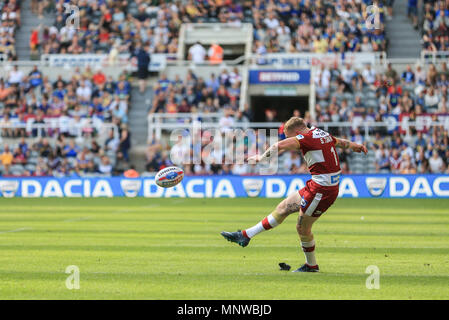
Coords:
169,177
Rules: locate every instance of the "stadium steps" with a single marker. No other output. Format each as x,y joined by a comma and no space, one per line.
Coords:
137,115
29,22
404,41
138,124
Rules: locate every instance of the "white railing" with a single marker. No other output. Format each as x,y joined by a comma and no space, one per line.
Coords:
434,56
52,129
157,123
309,59
273,60
188,63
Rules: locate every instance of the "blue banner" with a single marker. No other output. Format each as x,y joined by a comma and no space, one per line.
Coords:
279,76
351,186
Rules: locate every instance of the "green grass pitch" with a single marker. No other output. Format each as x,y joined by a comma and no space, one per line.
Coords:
171,249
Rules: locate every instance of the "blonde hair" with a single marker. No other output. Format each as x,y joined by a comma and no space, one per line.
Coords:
295,123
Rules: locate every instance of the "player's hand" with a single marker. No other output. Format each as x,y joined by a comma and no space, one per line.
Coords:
360,148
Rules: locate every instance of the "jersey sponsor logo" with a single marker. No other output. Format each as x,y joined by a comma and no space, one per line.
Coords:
318,133
252,186
303,203
8,188
376,186
313,156
299,137
130,187
335,179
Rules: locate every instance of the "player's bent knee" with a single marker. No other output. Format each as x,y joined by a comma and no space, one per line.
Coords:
281,209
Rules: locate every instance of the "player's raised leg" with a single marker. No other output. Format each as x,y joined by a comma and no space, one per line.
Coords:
304,228
288,206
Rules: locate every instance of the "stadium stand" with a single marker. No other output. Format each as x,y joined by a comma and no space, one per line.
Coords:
195,94
355,96
65,118
315,26
78,123
435,24
282,26
9,24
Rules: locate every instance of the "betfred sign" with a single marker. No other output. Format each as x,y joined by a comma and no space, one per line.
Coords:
279,77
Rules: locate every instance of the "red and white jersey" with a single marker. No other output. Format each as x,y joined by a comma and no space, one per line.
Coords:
320,154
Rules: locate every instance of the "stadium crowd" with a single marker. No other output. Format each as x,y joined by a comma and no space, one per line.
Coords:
279,26
195,94
435,26
355,95
317,26
72,111
76,109
419,94
9,24
63,158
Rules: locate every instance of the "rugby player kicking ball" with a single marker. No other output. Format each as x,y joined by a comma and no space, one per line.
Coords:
319,150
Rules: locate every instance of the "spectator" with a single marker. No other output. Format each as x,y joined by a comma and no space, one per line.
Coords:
143,62
125,143
197,53
6,158
395,161
412,12
34,41
71,150
15,76
436,164
215,53
227,121
431,100
408,76
105,166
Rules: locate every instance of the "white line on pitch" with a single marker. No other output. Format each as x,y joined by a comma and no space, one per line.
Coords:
77,219
15,230
154,205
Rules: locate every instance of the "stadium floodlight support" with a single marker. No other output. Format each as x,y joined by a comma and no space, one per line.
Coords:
245,70
181,43
312,94
244,88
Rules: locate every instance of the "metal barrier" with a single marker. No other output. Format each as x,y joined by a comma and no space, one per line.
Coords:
157,123
52,128
309,59
434,56
188,63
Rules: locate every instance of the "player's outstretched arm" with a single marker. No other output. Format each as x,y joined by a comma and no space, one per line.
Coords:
289,144
346,144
